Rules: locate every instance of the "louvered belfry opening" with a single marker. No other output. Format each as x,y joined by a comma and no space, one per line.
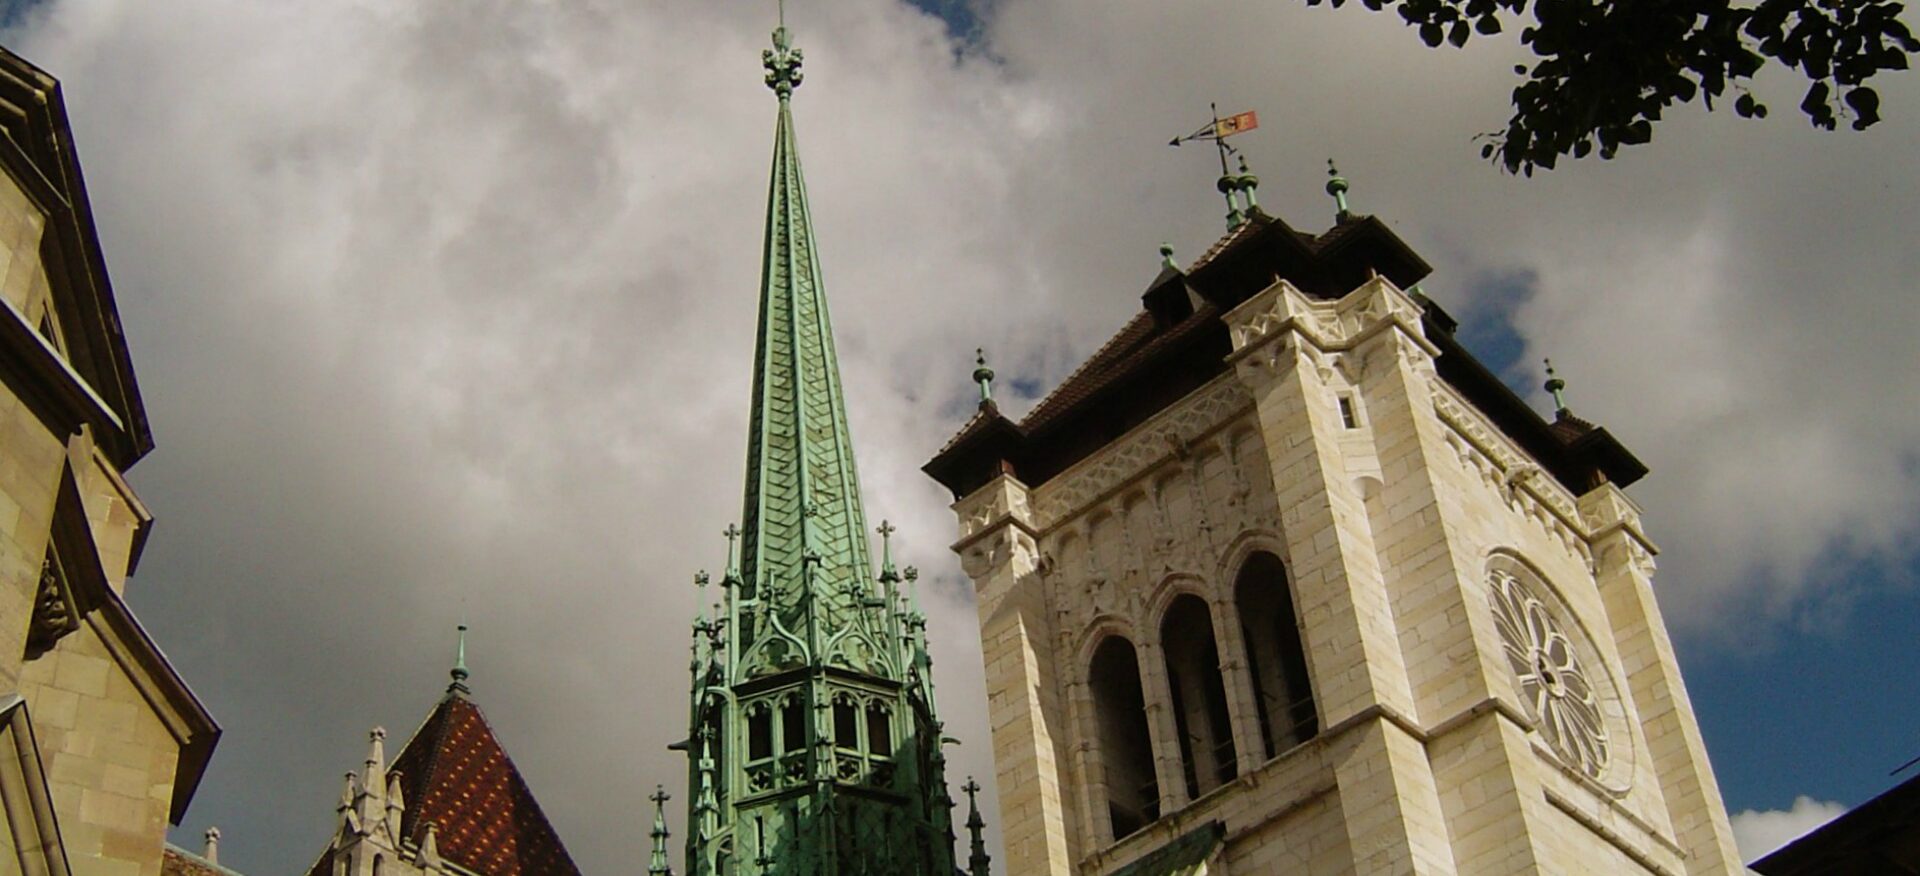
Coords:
1126,746
1199,696
1275,657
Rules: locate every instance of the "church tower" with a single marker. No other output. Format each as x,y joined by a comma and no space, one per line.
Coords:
1283,580
814,748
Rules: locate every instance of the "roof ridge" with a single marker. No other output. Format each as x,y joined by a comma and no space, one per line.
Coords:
1112,343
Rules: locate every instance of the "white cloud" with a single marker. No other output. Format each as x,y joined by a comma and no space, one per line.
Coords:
444,310
1759,832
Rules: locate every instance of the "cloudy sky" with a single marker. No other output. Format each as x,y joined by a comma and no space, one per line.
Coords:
443,311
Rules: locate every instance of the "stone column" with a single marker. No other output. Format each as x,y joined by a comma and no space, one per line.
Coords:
997,548
1169,768
1623,567
1243,706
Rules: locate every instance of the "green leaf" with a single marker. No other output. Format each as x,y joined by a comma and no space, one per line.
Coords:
1458,34
1432,34
1865,103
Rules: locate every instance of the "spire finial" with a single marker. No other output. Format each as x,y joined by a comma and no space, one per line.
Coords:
459,672
782,61
1337,187
213,845
983,375
732,576
887,572
1248,184
978,863
1166,257
1558,388
658,866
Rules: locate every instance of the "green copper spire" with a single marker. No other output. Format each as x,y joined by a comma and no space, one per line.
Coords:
813,743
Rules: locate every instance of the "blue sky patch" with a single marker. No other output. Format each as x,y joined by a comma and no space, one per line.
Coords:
962,17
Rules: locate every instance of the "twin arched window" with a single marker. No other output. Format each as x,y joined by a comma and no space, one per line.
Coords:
1282,694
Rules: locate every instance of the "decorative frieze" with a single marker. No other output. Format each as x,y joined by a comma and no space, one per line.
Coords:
1168,435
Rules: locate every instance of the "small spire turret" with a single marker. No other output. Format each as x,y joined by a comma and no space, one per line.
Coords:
657,865
979,862
1337,187
983,375
1557,388
459,672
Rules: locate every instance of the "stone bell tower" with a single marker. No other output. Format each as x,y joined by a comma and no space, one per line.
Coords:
1283,580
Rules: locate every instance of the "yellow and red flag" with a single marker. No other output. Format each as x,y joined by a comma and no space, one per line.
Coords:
1232,125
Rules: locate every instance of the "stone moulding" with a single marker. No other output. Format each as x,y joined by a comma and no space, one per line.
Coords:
1163,436
1511,473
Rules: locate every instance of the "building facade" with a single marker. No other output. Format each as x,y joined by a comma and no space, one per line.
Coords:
1282,580
104,742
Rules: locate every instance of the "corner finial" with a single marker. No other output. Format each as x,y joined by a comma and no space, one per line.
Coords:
459,672
1248,183
213,845
1337,187
1557,388
1166,257
887,573
732,576
983,375
782,61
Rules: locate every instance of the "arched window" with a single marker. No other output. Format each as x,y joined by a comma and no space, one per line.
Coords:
1199,695
1274,655
1126,746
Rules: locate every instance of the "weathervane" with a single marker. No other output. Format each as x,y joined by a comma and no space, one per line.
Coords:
1230,185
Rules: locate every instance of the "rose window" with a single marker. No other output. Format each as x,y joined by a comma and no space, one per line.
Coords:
1555,688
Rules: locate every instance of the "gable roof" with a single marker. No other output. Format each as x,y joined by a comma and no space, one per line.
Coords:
455,774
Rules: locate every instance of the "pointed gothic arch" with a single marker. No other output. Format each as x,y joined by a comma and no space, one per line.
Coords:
1125,742
1201,718
1275,656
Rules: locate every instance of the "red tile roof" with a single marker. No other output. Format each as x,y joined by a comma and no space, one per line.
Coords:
455,774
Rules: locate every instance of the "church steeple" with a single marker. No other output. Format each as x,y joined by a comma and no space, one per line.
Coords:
813,746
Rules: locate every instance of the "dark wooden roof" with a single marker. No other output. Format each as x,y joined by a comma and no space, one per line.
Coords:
1880,837
1178,343
455,774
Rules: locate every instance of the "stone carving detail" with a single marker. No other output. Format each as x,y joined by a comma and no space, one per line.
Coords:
1510,473
54,614
1551,677
1162,438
